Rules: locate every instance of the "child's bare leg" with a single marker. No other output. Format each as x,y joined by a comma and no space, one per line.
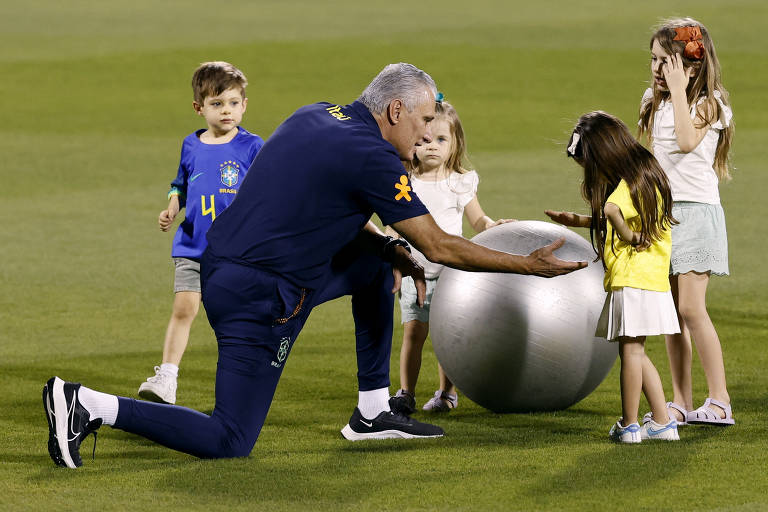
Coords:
444,398
654,392
631,353
679,354
693,310
445,383
185,308
414,335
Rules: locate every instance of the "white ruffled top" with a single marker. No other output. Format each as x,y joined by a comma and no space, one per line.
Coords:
691,175
445,200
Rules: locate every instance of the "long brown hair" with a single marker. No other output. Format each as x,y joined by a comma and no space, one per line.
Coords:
703,84
609,153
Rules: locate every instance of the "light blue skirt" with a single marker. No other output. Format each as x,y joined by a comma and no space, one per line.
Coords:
699,241
409,306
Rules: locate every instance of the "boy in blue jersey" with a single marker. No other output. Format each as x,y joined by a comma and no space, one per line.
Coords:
297,235
213,164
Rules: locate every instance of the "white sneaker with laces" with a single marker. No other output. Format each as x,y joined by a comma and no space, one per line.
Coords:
628,434
159,388
653,430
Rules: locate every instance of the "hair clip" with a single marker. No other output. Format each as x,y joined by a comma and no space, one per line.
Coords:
574,142
439,97
692,36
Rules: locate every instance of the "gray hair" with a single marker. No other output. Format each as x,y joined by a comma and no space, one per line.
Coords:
400,81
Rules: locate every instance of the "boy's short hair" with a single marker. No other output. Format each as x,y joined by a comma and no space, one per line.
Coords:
213,78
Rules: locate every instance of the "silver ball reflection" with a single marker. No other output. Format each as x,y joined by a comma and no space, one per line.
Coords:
515,343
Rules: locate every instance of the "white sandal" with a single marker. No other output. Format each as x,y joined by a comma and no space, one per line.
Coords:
441,402
708,415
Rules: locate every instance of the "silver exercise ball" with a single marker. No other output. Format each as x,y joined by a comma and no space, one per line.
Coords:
515,343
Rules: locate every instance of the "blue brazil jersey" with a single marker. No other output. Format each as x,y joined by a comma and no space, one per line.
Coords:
208,179
311,189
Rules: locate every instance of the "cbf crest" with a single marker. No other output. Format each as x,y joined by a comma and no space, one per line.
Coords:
282,352
229,173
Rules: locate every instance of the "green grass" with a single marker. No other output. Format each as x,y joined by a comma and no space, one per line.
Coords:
95,101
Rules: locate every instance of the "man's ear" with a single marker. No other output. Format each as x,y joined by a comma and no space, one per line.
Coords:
395,111
198,108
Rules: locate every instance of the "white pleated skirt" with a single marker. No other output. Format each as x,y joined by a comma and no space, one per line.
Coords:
634,312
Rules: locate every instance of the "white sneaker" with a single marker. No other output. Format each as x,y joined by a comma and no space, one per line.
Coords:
628,434
653,430
160,388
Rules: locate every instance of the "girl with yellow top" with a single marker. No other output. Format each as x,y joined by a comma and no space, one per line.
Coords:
631,204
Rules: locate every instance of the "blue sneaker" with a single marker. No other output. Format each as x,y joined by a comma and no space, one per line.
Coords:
653,430
628,434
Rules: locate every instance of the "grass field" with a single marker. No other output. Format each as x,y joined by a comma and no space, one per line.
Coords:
95,101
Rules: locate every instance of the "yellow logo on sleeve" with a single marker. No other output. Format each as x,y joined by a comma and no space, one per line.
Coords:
403,188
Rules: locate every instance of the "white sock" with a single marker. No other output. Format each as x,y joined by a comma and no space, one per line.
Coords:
99,405
170,369
374,402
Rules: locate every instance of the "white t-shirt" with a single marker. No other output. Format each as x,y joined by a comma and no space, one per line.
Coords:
445,200
691,175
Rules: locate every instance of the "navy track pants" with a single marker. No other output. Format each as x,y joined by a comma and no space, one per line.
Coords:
257,316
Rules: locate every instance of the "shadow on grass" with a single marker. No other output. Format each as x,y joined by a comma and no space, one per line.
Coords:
651,465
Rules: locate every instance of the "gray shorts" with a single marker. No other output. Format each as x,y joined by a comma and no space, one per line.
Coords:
700,241
186,277
408,307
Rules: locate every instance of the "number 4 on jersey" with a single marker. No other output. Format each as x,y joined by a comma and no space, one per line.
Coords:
211,210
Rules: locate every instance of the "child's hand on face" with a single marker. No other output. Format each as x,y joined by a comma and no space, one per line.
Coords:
675,74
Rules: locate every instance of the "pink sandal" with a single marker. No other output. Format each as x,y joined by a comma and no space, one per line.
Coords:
707,415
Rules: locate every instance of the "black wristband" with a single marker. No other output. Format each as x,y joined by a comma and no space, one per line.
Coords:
388,249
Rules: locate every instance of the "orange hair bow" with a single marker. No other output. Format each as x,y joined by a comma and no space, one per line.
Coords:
692,35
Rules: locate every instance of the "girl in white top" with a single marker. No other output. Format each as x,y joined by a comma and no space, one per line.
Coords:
687,118
449,192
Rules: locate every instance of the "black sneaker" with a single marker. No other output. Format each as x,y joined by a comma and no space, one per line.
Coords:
403,402
387,425
68,422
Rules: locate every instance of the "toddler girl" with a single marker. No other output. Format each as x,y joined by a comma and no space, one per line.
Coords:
449,191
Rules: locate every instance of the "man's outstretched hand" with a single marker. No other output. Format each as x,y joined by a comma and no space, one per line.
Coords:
543,263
